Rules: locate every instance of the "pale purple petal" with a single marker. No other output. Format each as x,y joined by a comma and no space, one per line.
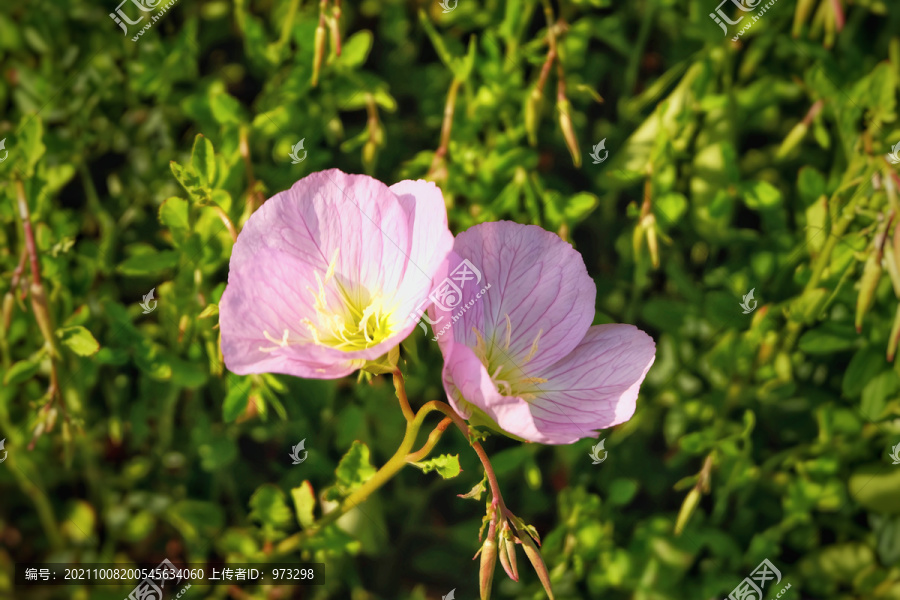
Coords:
596,386
355,223
538,280
465,378
430,239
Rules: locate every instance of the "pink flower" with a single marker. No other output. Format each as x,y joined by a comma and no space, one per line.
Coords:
523,356
324,276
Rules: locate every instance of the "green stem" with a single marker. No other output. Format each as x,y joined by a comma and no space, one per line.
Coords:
41,504
288,24
482,455
847,215
463,427
382,476
400,386
431,442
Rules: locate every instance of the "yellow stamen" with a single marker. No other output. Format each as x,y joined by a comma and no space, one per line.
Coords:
508,331
348,316
480,346
282,343
534,346
331,266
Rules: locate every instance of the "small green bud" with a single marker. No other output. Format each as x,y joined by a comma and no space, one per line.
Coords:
867,286
565,123
533,105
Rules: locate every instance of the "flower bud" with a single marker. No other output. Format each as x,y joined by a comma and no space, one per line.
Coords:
507,546
8,301
801,14
867,286
651,240
43,318
318,52
895,244
894,337
792,140
488,562
533,104
534,555
687,509
369,154
565,123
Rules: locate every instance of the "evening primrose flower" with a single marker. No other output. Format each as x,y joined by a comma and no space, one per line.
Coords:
524,358
324,276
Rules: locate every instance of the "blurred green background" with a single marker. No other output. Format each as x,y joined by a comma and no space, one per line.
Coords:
733,165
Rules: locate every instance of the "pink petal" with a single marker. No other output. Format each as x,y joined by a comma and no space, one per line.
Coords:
370,233
536,279
596,386
467,381
430,238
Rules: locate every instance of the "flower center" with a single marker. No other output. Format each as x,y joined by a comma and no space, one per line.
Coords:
509,377
347,317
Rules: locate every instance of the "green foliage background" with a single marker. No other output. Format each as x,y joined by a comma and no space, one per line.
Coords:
753,164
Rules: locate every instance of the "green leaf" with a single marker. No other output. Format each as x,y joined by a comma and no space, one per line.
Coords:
354,468
226,110
79,340
356,49
236,401
446,465
828,338
864,365
475,492
304,503
811,185
761,195
876,392
20,371
151,359
203,160
268,505
149,263
622,491
580,206
197,521
29,143
211,310
80,523
877,488
174,215
189,180
217,452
